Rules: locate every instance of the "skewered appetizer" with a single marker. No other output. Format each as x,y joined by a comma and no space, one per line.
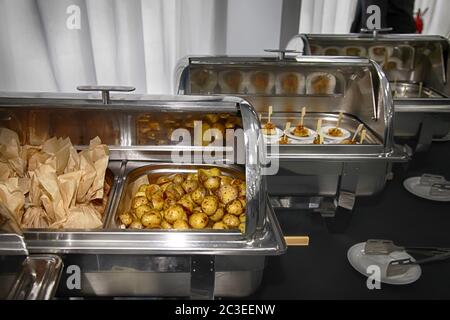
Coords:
301,131
290,83
269,129
205,199
203,80
284,139
231,81
318,138
335,132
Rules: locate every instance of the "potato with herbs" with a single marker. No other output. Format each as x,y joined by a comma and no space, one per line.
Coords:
198,195
141,210
231,221
235,207
126,218
205,199
218,215
151,219
174,213
198,220
210,205
136,225
227,193
181,225
220,226
138,201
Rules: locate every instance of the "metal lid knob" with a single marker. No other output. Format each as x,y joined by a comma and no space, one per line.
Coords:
105,90
375,31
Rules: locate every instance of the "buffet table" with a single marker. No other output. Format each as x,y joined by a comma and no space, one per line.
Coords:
322,271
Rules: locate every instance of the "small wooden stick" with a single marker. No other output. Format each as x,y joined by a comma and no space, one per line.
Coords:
287,127
303,116
357,131
420,89
319,125
339,120
363,136
270,114
320,138
260,117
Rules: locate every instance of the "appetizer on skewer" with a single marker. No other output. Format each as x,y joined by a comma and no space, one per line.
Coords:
269,129
320,83
336,131
284,139
300,130
319,137
353,139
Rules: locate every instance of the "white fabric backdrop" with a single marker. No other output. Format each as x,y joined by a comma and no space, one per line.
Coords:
130,42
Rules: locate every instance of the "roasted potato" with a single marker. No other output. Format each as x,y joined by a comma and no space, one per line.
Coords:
141,210
242,218
242,190
243,201
212,183
157,201
219,127
138,201
152,219
178,179
165,179
235,207
197,209
189,185
140,194
171,193
198,195
227,193
231,221
136,225
178,188
165,185
192,177
217,216
166,225
220,226
126,218
225,180
143,187
181,225
151,189
198,220
212,118
168,203
174,213
210,205
242,227
187,202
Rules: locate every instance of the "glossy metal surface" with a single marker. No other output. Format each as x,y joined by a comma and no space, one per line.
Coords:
38,279
424,59
362,93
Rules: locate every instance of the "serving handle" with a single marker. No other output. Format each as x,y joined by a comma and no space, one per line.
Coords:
105,90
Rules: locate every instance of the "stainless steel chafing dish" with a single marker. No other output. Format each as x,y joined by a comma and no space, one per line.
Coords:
416,66
116,262
325,178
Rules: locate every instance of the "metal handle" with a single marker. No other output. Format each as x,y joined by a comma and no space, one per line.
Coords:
39,278
375,31
282,52
105,90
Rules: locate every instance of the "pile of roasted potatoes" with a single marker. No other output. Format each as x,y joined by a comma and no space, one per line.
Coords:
205,199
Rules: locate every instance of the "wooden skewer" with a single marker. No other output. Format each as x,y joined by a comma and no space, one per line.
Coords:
319,125
270,114
303,116
357,131
260,117
420,89
287,127
363,136
339,120
320,138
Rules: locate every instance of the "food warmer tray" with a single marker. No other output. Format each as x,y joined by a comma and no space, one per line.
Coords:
325,178
117,262
417,67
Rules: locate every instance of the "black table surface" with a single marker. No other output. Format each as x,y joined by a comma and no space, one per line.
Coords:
322,271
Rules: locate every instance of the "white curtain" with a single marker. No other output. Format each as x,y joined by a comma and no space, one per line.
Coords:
326,16
128,42
436,20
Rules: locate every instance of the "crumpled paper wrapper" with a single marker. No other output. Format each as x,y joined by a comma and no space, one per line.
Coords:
52,185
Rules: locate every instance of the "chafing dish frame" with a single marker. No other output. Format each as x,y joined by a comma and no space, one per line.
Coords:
346,166
421,118
263,234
